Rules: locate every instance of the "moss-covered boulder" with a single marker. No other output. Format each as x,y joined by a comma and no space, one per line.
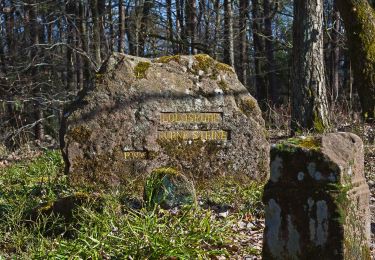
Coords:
168,188
317,199
186,112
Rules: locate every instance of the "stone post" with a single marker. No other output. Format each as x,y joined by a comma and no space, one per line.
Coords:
317,199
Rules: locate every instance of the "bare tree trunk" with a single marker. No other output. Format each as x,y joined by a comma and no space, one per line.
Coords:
77,44
335,54
96,31
359,21
84,44
269,51
258,43
34,36
309,100
9,33
111,35
69,9
145,21
228,33
191,24
121,26
216,29
131,33
243,22
170,25
180,25
206,37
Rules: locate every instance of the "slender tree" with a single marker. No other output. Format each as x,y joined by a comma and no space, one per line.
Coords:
96,30
191,23
335,54
144,28
228,33
216,28
244,47
258,46
121,26
268,7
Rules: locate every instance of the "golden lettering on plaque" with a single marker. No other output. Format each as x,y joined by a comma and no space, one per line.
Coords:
135,155
209,135
167,117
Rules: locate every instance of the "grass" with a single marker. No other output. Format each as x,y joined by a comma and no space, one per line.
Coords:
113,232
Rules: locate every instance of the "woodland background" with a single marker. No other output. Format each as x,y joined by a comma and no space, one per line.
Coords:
51,49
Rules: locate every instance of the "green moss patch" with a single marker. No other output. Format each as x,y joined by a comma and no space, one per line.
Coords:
80,134
223,85
210,66
141,68
291,144
223,67
167,59
247,105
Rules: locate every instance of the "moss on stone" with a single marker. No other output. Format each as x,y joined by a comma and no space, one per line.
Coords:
309,142
107,171
247,105
168,188
80,134
167,59
209,66
223,67
291,144
46,207
319,126
165,171
204,62
223,85
99,76
141,68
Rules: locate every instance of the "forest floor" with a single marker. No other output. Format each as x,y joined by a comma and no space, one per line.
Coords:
31,176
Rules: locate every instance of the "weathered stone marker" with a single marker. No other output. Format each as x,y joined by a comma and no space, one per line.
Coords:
317,199
190,113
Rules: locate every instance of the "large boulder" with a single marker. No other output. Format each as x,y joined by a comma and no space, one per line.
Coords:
186,112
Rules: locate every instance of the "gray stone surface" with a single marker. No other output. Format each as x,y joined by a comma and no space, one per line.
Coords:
186,112
317,199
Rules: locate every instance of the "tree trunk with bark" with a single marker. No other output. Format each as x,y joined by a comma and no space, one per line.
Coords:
96,31
216,29
258,43
228,33
37,91
171,44
244,10
144,28
191,24
269,51
121,27
309,99
335,55
359,21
